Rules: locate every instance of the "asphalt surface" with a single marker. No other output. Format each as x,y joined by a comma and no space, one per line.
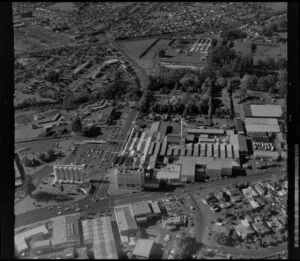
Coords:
106,202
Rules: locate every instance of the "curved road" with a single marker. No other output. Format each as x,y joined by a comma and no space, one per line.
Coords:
44,213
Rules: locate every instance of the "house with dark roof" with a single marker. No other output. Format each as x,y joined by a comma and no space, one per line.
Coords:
261,228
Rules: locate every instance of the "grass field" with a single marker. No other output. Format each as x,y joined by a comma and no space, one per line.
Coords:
136,48
263,51
31,38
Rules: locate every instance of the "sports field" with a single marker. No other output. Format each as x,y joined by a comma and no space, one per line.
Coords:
32,38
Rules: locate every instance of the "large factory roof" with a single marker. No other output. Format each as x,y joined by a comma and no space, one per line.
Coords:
140,208
99,231
264,111
65,230
165,174
239,141
261,125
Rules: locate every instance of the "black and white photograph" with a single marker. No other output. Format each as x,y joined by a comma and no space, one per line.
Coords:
152,130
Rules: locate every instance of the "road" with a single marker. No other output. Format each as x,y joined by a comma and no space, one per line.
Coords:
44,213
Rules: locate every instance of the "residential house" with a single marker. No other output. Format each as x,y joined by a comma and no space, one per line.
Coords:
235,199
261,228
282,219
274,224
258,218
243,231
254,204
282,193
233,192
260,190
225,205
249,192
220,196
249,219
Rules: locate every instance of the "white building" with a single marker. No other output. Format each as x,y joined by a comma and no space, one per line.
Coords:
69,173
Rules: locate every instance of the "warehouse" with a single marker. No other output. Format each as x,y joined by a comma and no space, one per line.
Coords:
143,249
155,208
240,126
168,175
261,111
98,232
262,125
42,245
239,142
125,220
65,231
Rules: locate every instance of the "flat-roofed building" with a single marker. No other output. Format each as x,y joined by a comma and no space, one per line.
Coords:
263,125
182,151
173,139
203,150
169,151
125,220
265,154
155,208
168,175
157,147
213,169
143,249
128,179
151,148
41,245
262,111
141,209
196,150
176,151
19,172
163,150
65,231
206,131
99,233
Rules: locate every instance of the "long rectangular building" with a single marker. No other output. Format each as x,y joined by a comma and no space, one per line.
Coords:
261,111
125,220
262,125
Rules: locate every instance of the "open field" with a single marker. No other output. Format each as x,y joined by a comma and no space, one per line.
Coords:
65,6
263,51
276,6
136,48
31,38
161,44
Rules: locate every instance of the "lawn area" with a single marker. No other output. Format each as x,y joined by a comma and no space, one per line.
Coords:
263,51
136,48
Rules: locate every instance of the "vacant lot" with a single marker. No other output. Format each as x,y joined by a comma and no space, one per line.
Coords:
32,38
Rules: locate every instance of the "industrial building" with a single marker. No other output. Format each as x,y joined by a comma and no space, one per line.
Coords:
240,143
262,154
98,233
141,211
69,173
170,173
143,249
128,179
261,125
19,172
20,239
261,111
125,220
65,231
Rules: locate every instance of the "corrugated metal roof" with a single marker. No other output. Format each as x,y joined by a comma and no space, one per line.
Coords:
155,207
239,141
125,218
143,248
261,121
266,111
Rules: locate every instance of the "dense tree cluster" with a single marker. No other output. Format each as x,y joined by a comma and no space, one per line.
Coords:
233,34
91,130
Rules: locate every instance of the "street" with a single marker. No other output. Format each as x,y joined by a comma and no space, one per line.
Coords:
45,213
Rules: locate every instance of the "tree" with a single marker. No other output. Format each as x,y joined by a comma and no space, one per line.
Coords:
248,82
229,91
76,124
282,84
52,77
28,185
210,101
145,101
253,48
161,53
91,130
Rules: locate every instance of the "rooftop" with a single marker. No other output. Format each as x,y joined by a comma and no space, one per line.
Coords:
124,217
140,208
143,248
205,131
